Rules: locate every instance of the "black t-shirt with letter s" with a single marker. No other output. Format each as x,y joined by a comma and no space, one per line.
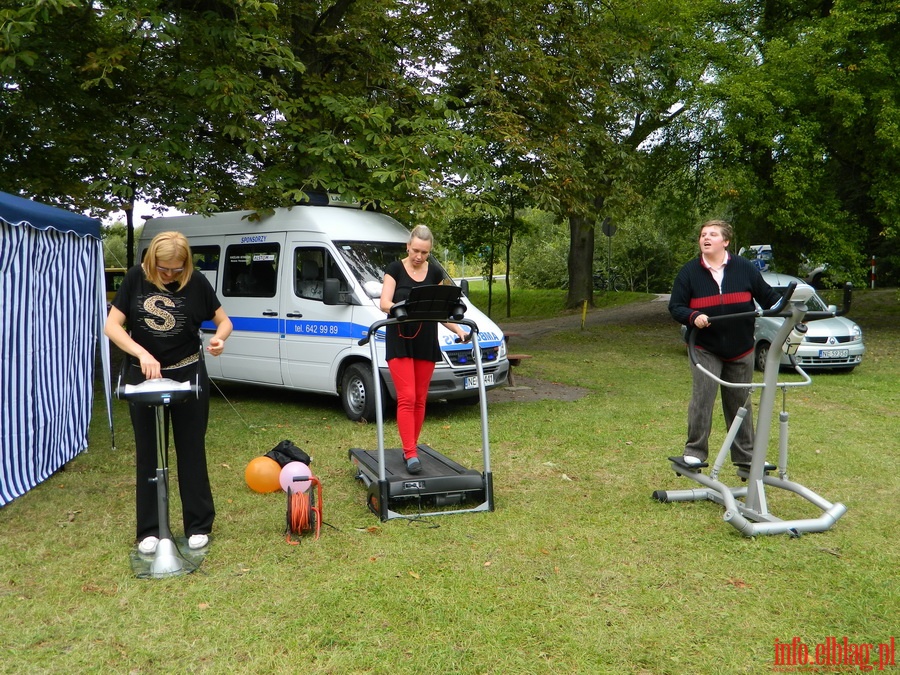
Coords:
166,323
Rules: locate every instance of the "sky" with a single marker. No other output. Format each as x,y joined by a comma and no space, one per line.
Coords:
141,209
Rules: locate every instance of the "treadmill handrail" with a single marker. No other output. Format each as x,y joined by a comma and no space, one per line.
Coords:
378,325
482,393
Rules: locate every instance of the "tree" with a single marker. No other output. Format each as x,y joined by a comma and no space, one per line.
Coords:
807,149
568,96
540,255
155,101
212,105
483,235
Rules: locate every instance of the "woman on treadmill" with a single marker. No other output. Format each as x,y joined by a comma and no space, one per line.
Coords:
412,347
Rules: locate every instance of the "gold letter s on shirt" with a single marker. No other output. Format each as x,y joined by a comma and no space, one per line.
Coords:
151,306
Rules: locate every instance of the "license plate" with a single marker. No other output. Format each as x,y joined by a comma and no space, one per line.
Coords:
472,382
834,353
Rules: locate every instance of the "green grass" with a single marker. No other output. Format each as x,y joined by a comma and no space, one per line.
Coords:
577,571
536,303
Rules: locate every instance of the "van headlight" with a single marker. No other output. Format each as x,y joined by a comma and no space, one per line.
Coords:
502,351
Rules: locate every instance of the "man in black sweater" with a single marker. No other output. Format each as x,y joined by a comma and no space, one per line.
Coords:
715,283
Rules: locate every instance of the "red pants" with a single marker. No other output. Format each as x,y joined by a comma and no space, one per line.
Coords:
411,379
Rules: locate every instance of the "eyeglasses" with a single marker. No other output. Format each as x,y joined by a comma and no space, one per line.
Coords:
170,270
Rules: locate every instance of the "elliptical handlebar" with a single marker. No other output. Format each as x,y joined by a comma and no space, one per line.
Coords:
779,306
844,309
774,310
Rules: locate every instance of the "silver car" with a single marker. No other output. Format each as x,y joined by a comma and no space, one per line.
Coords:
835,343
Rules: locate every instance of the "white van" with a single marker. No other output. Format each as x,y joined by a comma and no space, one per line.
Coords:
302,287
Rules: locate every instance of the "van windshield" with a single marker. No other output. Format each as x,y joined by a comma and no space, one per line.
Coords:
368,260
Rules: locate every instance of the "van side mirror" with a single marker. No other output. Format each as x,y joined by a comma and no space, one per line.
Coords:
464,285
331,292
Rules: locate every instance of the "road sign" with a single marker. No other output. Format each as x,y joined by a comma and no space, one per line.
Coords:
607,226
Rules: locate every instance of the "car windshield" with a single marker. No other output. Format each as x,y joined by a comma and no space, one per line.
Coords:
814,304
368,260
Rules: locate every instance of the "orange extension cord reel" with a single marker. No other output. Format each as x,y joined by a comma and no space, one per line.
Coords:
304,509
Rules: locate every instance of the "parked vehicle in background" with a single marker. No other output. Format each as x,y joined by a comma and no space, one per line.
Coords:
301,286
762,255
815,274
113,276
834,343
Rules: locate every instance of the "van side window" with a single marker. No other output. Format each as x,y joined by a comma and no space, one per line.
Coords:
206,261
251,270
206,258
311,267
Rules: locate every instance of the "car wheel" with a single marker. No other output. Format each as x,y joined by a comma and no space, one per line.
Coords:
762,352
358,392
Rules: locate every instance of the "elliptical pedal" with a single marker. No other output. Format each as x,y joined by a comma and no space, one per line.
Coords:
681,464
743,469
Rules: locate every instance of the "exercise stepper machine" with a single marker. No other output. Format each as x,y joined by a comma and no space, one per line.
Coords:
161,393
746,507
442,481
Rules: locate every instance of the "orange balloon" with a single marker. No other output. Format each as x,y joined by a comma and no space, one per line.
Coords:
262,475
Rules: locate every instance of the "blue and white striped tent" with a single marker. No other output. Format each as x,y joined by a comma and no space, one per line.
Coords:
52,308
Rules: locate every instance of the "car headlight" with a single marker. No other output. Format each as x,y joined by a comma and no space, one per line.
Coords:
856,334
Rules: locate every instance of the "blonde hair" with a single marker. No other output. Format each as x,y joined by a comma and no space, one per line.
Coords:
421,232
166,247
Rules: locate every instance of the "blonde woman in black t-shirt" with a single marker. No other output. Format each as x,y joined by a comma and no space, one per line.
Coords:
163,303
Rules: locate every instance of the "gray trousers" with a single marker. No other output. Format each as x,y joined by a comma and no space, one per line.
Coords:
703,399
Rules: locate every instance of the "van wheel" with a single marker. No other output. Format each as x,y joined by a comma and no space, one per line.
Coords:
358,392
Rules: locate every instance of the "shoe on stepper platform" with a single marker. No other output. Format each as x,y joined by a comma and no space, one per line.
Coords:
688,462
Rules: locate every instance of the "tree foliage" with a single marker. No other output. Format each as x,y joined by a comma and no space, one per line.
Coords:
781,115
807,150
213,105
568,96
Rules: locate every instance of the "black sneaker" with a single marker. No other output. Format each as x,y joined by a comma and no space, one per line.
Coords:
413,465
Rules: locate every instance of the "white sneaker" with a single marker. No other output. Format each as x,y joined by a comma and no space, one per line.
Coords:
692,461
147,545
196,541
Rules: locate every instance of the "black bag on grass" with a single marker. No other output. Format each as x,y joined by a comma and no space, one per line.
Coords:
286,452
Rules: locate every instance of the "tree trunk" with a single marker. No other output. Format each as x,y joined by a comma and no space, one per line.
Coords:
580,262
509,243
129,234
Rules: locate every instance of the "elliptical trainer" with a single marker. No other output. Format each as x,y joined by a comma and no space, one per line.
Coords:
746,507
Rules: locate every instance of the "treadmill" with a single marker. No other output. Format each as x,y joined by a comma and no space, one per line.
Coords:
442,482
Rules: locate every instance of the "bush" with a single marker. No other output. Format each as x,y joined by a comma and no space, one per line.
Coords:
539,258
